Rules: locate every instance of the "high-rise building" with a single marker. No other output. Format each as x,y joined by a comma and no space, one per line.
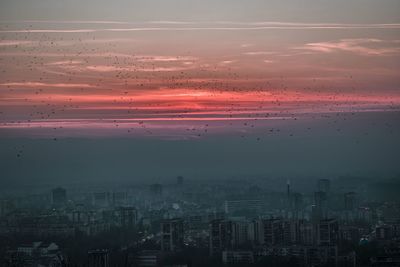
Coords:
307,233
172,234
179,180
6,206
240,233
127,216
269,231
327,232
119,198
350,206
295,205
383,232
101,199
324,185
98,258
350,201
59,196
221,236
320,209
273,231
278,231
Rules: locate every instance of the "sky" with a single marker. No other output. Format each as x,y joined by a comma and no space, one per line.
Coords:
186,70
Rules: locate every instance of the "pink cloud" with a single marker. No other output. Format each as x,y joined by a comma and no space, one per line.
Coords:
363,46
108,68
39,84
164,58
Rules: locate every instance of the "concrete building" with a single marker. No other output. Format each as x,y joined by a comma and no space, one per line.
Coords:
147,258
237,257
101,199
324,185
320,208
221,236
172,234
179,180
328,232
127,216
249,205
98,258
59,196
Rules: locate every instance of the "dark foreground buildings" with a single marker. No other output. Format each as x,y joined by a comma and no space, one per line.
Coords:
200,224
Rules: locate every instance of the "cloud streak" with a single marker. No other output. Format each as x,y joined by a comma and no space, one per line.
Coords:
361,46
52,85
218,26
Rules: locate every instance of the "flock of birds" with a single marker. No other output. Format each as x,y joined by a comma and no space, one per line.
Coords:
41,59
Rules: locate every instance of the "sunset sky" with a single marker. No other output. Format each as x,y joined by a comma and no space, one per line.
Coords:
168,66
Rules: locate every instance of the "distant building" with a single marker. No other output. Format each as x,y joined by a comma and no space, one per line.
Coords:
179,180
269,231
98,258
147,258
320,209
34,254
221,236
119,198
127,216
240,233
237,257
156,189
307,234
80,216
39,248
295,205
324,185
350,201
228,235
350,205
59,196
278,232
350,233
305,255
217,215
101,199
383,232
390,256
195,222
6,206
172,234
328,232
321,256
347,260
249,205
